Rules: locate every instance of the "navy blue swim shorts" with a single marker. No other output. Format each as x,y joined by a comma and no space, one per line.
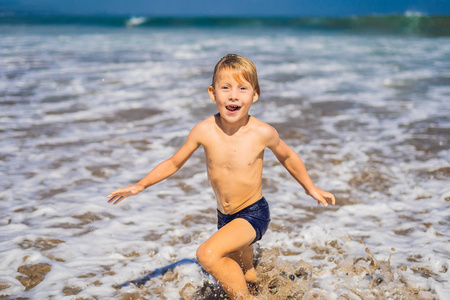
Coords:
257,215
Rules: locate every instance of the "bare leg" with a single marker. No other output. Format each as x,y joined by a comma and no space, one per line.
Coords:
245,260
213,256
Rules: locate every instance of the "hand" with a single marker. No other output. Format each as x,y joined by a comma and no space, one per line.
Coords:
322,197
120,194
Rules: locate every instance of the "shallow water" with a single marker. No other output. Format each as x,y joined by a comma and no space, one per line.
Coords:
86,110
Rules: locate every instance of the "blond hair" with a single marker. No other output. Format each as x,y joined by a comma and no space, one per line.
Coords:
242,67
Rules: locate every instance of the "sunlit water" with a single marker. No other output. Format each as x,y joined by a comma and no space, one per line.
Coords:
87,110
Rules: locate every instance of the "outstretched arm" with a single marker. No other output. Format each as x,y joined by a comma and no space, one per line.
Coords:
161,171
294,165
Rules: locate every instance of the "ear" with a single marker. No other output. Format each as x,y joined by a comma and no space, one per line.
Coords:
211,93
255,97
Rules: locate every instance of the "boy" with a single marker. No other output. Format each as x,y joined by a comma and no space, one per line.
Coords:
234,144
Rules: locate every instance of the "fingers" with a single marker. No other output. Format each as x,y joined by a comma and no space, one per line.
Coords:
117,196
325,198
333,200
329,198
323,201
320,196
116,199
120,194
114,194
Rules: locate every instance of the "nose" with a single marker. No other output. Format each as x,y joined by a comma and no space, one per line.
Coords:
234,94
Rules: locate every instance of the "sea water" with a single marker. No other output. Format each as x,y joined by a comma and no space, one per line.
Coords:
85,110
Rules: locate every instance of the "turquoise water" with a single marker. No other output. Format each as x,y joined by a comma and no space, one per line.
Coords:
407,24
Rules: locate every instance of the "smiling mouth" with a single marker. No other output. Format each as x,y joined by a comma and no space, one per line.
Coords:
233,107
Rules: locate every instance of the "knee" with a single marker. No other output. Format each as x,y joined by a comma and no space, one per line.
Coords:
206,257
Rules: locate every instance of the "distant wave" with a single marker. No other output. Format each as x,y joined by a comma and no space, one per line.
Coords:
135,21
414,13
410,23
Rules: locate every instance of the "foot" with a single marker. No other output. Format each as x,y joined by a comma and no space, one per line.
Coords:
250,276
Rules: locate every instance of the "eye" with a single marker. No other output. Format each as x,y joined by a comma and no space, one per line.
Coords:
243,88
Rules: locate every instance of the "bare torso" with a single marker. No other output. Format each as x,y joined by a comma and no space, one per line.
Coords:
234,164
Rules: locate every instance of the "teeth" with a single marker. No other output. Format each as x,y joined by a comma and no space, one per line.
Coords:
233,107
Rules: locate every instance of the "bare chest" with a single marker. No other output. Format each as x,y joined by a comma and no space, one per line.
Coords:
233,152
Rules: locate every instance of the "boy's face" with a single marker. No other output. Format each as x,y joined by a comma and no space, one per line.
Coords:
233,97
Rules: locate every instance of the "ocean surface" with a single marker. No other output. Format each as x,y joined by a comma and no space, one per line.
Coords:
87,107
